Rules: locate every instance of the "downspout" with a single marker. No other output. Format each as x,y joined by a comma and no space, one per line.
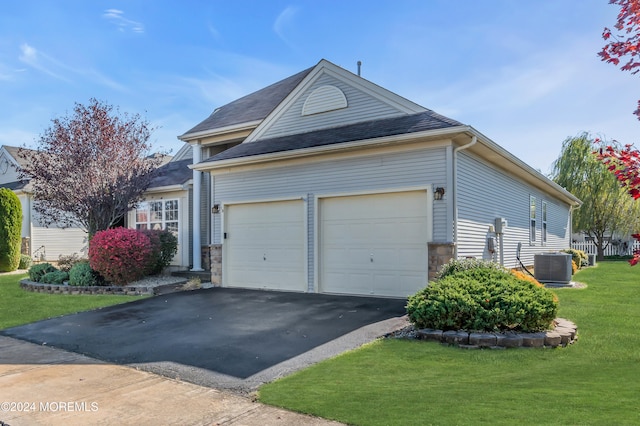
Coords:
474,140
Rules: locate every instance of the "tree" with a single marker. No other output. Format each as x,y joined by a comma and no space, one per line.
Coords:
606,208
10,230
90,168
624,164
625,44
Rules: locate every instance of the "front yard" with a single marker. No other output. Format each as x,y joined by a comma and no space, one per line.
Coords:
19,307
395,382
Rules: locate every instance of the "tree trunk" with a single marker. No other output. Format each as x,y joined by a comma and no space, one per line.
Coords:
600,248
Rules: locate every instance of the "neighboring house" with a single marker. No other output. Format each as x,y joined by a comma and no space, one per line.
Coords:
40,242
325,182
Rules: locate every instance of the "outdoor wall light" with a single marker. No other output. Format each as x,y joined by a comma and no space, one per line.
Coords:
438,193
215,209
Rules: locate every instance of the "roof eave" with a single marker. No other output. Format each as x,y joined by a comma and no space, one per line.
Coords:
190,137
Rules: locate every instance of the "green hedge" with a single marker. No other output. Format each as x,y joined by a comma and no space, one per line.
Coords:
10,230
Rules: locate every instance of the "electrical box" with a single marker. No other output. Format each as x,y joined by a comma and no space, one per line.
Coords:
500,225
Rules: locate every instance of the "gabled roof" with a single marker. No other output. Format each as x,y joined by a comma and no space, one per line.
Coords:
173,173
253,107
423,121
13,151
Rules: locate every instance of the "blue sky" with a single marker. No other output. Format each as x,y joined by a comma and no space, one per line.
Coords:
524,73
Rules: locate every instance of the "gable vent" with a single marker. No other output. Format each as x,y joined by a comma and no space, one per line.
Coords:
324,99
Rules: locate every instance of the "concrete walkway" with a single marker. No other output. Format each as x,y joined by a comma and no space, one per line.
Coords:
40,385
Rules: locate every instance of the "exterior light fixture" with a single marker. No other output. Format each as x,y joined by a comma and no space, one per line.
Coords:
438,193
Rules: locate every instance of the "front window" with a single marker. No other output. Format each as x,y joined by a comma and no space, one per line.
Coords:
162,215
532,219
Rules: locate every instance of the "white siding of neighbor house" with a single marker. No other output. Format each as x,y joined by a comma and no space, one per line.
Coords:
486,193
360,107
380,172
49,243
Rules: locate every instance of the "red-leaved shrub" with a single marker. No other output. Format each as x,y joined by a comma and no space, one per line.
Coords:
120,255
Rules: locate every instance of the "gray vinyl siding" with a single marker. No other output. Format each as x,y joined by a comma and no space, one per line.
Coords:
360,107
205,210
486,193
308,181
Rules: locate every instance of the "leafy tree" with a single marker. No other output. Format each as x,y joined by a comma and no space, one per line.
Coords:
90,168
624,164
10,230
606,208
625,44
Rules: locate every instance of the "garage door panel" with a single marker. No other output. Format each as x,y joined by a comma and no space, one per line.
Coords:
390,229
265,245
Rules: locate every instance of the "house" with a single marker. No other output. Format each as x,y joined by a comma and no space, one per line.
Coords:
325,182
40,242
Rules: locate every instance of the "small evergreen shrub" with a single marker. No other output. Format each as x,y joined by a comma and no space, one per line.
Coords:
524,276
164,247
483,299
459,265
120,255
55,277
66,262
81,274
10,230
578,256
25,262
37,271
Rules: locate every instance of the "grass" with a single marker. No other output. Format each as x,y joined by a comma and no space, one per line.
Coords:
18,307
401,382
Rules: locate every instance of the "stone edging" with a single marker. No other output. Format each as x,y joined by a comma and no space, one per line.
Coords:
70,289
564,333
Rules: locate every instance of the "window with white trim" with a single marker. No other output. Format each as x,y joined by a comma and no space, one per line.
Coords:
544,223
532,220
160,214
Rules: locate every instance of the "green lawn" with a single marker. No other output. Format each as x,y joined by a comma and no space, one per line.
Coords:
393,382
19,307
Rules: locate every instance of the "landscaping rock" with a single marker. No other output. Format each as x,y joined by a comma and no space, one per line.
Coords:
510,340
483,339
533,340
453,337
430,334
552,339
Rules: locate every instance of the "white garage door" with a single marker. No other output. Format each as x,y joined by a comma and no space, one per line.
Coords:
374,244
264,247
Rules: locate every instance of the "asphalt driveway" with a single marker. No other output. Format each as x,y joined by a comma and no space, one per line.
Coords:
231,332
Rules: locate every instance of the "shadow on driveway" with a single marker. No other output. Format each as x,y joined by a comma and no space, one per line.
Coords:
229,331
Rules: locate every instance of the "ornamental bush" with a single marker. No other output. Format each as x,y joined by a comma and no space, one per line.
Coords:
459,265
483,299
164,246
37,271
66,262
25,262
55,277
120,255
10,230
81,274
578,256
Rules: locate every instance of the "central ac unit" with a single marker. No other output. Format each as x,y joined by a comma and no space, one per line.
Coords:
552,267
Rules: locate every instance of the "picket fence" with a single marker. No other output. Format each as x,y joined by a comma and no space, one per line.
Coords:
620,249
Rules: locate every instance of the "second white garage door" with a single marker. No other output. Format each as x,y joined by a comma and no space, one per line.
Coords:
374,244
264,247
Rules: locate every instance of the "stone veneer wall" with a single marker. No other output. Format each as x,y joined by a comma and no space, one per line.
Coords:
215,252
439,254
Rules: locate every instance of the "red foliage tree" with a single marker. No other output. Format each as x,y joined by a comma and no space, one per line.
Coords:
90,168
624,163
625,44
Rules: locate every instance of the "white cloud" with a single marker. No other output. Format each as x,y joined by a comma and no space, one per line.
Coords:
283,23
123,24
41,62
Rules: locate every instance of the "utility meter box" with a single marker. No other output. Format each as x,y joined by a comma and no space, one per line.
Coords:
500,225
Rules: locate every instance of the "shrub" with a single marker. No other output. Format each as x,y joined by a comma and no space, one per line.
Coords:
65,263
25,262
483,299
10,230
578,256
120,255
574,267
459,265
55,277
36,272
526,277
81,274
164,246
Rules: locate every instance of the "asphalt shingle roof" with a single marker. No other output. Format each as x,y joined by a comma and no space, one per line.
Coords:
412,123
255,106
173,173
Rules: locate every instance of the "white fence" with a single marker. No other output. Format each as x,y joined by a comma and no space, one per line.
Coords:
620,249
